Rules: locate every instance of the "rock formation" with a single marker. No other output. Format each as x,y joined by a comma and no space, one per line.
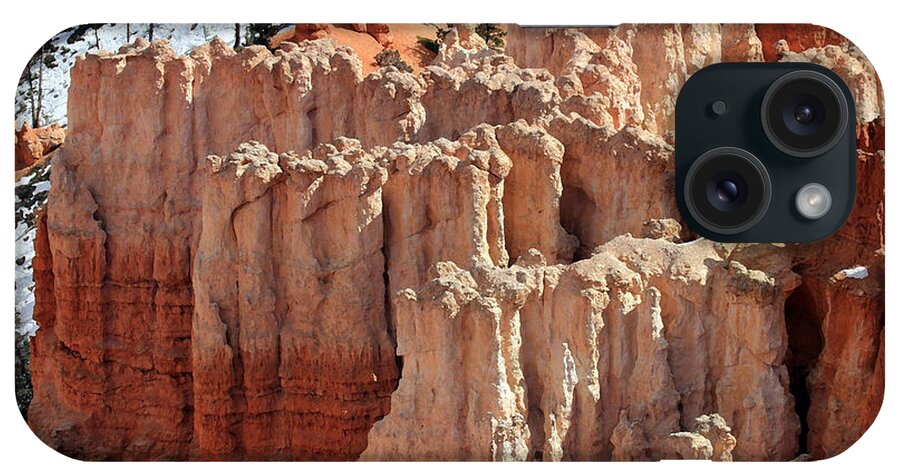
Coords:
711,439
460,352
795,37
269,255
367,40
276,366
33,145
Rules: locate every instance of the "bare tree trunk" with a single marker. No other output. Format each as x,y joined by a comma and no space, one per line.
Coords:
36,115
32,95
96,38
237,35
128,33
150,33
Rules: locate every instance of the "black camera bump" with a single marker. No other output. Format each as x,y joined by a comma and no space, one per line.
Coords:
765,152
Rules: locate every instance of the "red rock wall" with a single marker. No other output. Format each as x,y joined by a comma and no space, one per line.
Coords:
387,271
284,370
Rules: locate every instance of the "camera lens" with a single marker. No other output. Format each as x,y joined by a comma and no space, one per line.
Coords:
804,113
727,190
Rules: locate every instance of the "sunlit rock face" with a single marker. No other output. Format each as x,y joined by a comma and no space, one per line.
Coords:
269,255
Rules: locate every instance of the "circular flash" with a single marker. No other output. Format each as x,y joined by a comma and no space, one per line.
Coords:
813,201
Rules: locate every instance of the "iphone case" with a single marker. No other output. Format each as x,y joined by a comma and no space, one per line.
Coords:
421,242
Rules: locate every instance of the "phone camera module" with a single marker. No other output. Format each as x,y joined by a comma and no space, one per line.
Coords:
779,166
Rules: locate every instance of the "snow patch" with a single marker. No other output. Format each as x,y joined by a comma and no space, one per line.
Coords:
31,192
25,323
856,272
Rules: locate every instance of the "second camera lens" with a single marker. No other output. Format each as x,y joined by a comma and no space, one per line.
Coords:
727,189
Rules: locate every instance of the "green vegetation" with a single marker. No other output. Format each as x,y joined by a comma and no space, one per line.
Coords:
434,45
431,45
492,34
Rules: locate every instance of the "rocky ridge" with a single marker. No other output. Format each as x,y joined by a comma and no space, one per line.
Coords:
491,264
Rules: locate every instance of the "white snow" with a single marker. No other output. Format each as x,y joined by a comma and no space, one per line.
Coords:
183,37
25,324
856,272
42,187
25,231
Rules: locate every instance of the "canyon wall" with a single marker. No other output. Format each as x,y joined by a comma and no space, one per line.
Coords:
268,255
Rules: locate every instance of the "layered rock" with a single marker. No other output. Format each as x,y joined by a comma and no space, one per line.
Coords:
597,157
532,192
435,266
630,74
33,145
597,81
123,249
702,45
460,352
614,351
741,43
444,202
279,370
485,87
311,93
658,53
115,355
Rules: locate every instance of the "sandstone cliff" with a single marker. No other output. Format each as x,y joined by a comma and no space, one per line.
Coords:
269,255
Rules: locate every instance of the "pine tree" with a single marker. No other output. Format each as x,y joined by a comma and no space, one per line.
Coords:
493,35
261,33
35,85
28,79
31,83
